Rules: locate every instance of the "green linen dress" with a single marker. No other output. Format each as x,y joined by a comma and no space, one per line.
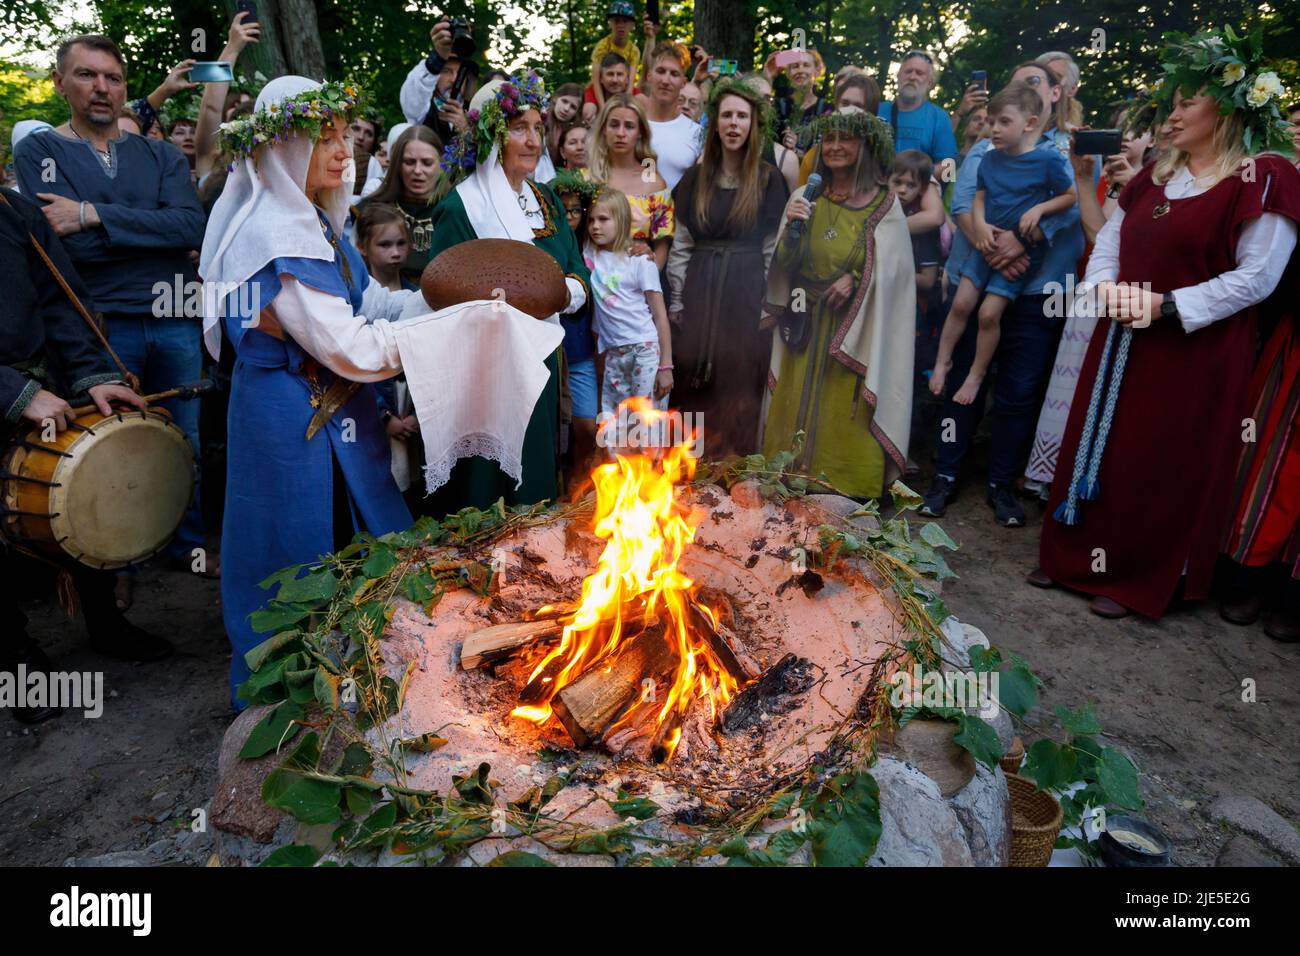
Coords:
815,393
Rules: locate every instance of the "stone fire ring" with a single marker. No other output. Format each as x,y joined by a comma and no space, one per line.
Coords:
938,807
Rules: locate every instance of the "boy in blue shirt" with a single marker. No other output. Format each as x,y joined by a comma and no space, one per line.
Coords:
1017,186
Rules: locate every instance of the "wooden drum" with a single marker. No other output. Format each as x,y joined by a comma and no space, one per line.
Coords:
107,491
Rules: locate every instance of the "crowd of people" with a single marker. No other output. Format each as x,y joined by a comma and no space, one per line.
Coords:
788,255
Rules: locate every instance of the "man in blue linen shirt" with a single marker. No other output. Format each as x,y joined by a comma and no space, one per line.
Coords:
127,213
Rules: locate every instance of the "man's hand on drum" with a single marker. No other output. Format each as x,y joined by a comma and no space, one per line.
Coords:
102,395
46,406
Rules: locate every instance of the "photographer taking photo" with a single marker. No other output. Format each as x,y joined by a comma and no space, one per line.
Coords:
436,90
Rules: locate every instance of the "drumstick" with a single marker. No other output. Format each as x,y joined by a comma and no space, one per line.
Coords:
184,392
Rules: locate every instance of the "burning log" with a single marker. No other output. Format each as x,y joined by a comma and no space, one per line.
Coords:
536,690
500,641
725,645
599,697
768,695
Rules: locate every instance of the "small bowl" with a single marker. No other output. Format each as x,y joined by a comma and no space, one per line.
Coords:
1118,852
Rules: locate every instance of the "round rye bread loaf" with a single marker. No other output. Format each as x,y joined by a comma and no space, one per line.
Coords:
518,272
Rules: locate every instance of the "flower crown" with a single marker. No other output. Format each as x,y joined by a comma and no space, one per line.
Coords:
571,181
764,114
859,124
1231,69
308,111
490,124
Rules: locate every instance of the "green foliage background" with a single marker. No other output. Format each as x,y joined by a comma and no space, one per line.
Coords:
377,41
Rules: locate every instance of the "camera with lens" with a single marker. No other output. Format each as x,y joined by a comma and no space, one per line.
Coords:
462,41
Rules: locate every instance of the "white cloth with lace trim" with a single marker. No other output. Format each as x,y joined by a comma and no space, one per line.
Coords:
475,371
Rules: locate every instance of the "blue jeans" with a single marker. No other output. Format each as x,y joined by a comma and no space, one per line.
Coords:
1026,351
164,353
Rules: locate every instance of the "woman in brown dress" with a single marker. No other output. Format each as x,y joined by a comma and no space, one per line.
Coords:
728,212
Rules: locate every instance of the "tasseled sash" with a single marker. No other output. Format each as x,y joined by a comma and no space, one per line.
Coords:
1096,427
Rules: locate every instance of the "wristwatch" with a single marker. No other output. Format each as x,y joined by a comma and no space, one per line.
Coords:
1168,307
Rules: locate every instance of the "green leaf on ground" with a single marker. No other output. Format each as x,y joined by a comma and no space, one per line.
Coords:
1081,721
847,814
293,855
1050,765
629,806
979,737
1118,778
273,730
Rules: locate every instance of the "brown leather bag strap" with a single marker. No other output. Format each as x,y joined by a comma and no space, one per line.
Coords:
130,379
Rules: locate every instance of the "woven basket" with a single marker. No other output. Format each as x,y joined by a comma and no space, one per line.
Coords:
1011,760
1035,822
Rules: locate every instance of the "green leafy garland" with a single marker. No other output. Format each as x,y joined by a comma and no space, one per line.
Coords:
764,122
859,124
309,111
324,673
1231,69
570,181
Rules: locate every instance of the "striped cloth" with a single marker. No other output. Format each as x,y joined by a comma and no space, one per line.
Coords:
1265,525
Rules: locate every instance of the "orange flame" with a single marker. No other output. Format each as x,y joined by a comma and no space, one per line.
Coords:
647,531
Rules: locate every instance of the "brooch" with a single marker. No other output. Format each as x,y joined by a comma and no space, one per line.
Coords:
1160,210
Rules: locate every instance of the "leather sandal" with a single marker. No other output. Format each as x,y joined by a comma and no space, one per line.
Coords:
1103,606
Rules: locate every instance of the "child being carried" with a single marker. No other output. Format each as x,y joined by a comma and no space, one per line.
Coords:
1018,184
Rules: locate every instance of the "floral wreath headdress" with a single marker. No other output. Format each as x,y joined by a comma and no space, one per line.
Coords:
859,124
1231,69
568,181
764,114
308,111
489,124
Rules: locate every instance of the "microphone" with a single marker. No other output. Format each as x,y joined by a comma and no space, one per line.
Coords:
810,193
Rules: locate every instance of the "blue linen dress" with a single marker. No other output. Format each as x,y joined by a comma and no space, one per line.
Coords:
279,485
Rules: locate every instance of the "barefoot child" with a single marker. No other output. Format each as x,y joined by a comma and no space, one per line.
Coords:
1017,186
631,323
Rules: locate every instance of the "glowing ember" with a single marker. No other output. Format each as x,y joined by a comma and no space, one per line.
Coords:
637,580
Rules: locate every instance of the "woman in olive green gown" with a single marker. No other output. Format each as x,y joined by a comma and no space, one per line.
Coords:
842,296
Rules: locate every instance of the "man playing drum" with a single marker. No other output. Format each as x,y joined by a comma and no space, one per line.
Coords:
47,356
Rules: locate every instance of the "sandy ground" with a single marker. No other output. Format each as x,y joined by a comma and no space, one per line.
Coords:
1168,693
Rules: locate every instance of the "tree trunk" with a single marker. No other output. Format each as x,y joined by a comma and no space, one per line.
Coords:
884,49
725,28
265,56
299,37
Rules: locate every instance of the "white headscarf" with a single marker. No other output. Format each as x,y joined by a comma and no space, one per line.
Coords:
373,170
263,212
490,203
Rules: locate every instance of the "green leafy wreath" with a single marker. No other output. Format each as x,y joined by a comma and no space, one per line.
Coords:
1231,68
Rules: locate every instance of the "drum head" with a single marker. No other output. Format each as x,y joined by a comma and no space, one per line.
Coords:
124,490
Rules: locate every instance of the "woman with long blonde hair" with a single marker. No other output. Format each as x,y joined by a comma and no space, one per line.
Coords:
1181,272
728,212
621,155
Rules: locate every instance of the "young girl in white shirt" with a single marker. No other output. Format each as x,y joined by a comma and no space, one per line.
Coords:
629,318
